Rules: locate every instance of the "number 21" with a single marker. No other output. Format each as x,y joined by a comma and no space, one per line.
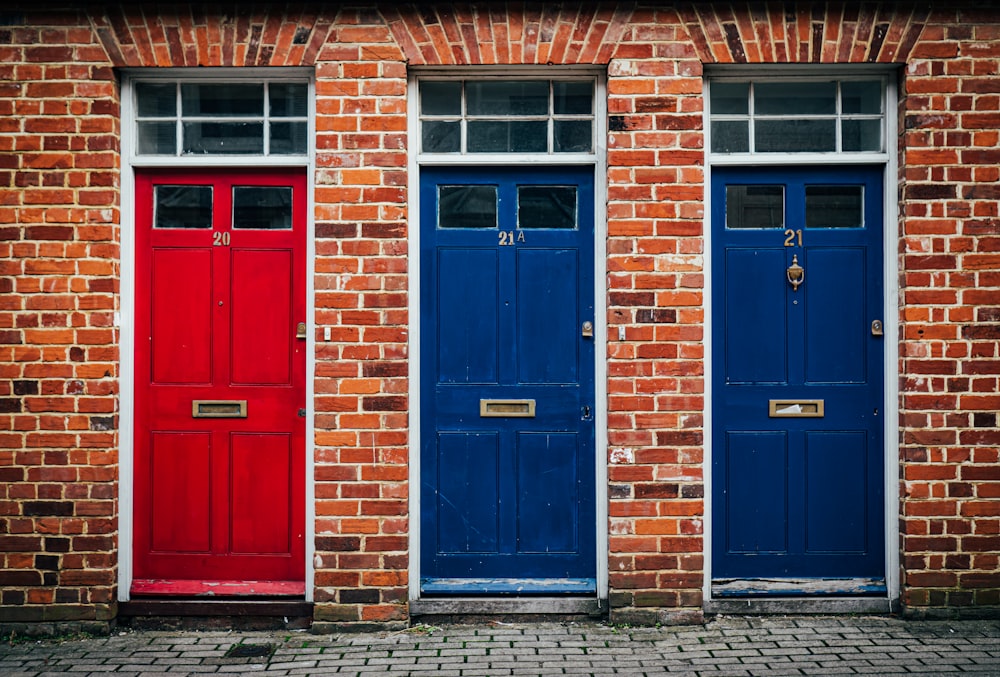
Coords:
791,236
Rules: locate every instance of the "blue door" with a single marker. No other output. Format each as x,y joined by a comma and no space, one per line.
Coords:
507,380
797,456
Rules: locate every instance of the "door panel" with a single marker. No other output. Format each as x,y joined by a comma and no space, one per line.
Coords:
220,378
798,384
181,307
507,451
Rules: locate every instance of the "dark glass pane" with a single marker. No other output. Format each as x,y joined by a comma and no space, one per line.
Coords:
289,138
157,138
182,207
289,100
467,206
573,98
795,98
156,100
729,98
861,98
546,207
232,138
508,97
755,206
440,98
860,135
221,99
503,136
572,136
835,206
730,136
791,136
263,207
441,137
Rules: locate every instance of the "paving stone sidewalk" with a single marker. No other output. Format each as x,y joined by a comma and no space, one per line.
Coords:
724,646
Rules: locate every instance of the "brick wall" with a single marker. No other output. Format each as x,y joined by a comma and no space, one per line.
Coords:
950,297
59,275
59,229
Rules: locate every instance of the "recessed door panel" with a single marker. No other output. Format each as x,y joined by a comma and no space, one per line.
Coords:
263,324
798,379
468,492
547,282
507,381
468,316
180,301
547,481
261,472
757,492
180,468
756,327
837,496
835,306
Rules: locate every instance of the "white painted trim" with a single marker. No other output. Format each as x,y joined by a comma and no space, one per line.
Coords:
126,356
126,314
599,160
890,267
310,404
413,312
601,335
707,479
890,322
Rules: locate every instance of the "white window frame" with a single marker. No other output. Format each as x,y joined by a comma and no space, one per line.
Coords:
125,317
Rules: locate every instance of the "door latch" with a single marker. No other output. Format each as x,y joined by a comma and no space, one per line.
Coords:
585,413
300,330
587,331
877,328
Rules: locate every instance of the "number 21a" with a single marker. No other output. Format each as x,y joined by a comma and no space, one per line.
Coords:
507,238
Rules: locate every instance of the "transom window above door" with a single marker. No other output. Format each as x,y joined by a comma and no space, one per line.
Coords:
508,115
794,115
221,118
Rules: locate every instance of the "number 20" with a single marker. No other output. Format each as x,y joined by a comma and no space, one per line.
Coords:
220,239
791,236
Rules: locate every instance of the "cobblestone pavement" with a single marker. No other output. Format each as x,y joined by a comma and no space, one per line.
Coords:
724,646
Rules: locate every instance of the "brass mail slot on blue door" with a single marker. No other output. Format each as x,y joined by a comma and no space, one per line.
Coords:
507,408
796,408
219,408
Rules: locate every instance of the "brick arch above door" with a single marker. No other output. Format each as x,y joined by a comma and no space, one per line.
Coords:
803,32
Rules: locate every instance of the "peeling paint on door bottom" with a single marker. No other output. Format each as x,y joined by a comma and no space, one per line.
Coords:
796,587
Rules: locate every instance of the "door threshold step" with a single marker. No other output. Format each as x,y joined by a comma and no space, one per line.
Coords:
215,614
802,606
473,609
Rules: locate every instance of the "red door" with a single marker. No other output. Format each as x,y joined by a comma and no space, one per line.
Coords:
220,383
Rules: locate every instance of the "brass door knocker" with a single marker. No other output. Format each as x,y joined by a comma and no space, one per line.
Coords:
796,274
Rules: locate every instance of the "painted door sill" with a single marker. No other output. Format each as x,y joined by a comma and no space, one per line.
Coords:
797,587
508,586
166,587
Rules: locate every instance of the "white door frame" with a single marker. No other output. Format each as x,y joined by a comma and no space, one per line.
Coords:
599,161
889,161
125,317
